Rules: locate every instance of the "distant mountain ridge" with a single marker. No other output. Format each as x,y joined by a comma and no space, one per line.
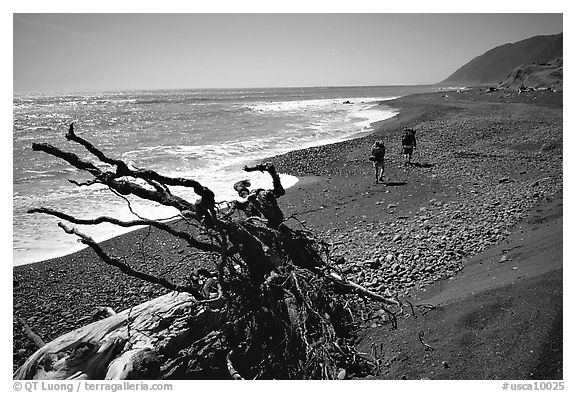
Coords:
496,65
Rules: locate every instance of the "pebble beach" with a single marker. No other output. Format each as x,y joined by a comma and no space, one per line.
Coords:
486,161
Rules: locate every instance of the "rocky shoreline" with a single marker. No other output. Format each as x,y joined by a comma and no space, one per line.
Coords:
478,175
484,160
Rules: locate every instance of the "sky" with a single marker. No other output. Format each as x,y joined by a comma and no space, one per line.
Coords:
62,52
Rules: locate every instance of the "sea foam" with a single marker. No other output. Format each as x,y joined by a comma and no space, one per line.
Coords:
202,135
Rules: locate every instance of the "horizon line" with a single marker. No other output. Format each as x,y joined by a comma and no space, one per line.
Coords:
74,91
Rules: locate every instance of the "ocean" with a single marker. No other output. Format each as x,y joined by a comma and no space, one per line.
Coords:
202,134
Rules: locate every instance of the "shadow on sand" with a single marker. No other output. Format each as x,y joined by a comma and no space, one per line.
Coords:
393,184
423,165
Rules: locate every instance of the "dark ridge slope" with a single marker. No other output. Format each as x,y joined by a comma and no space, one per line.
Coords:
495,65
543,75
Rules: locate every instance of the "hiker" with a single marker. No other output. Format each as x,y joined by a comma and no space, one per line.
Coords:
260,202
377,157
408,145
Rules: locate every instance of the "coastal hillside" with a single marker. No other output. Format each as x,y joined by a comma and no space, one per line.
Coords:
495,66
536,76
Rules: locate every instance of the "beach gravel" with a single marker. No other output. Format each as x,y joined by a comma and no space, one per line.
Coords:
483,162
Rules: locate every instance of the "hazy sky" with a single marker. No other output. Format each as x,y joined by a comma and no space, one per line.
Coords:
71,52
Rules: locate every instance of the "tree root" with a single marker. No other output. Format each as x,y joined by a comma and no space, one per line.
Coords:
274,295
421,338
231,370
363,291
29,333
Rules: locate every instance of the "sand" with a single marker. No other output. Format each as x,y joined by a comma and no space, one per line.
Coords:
486,184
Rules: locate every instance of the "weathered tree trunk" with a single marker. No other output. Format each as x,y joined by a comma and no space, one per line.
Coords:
127,345
154,339
281,310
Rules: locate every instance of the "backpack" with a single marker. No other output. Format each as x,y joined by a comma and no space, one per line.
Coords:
378,151
407,138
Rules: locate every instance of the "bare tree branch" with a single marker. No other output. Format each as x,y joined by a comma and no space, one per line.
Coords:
145,174
111,179
126,224
87,183
127,269
362,291
29,333
421,338
231,370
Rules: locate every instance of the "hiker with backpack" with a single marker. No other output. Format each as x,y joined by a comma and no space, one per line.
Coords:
377,157
408,145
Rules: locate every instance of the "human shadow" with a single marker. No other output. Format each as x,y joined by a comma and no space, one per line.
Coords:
394,184
422,165
549,364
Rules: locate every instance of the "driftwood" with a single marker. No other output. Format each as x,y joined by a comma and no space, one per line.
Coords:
273,308
125,345
30,334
